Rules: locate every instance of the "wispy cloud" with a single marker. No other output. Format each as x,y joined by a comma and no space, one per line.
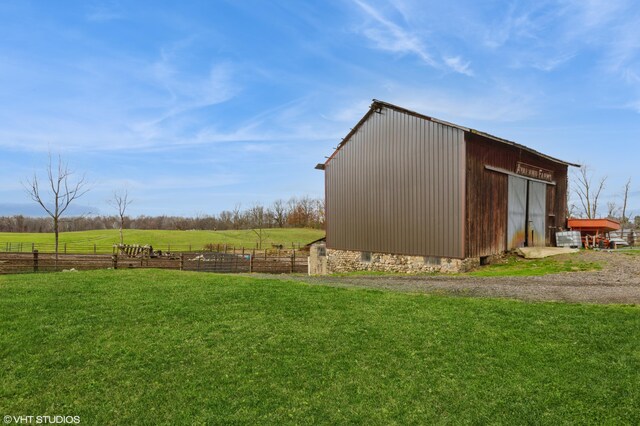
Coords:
614,29
597,13
394,37
391,37
104,13
457,64
513,25
551,63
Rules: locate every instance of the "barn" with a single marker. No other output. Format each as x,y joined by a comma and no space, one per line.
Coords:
408,192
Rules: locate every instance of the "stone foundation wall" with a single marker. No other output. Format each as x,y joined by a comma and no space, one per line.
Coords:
349,261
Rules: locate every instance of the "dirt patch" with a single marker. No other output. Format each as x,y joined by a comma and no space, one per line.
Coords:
617,282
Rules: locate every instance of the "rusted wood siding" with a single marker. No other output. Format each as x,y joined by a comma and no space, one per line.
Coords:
486,194
397,187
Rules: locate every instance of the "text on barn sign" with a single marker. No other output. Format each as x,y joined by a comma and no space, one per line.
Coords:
534,172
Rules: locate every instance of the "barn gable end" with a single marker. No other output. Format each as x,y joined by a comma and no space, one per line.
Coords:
396,185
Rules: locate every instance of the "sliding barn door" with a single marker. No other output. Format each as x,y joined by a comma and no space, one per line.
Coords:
517,212
537,208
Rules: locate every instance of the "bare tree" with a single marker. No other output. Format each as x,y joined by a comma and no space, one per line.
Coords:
121,201
237,216
624,220
587,193
258,218
56,199
279,213
320,212
625,198
612,209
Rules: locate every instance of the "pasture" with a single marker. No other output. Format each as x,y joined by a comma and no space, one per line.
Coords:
103,240
169,347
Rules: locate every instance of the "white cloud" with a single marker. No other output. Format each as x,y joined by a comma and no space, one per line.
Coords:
458,65
597,13
393,37
514,25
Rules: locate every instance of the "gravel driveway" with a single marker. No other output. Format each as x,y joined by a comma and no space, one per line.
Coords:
617,282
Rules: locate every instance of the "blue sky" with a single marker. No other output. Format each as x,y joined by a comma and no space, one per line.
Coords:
195,107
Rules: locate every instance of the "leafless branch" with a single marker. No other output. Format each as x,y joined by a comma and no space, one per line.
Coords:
62,192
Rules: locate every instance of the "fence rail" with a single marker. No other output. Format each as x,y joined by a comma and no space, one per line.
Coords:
283,261
107,248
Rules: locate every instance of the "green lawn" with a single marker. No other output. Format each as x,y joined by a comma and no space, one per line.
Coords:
170,347
176,240
517,266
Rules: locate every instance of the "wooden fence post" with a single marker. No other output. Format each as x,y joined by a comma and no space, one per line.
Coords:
181,261
94,248
293,261
35,261
65,248
114,261
250,263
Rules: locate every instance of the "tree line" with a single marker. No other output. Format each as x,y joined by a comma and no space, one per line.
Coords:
297,212
585,199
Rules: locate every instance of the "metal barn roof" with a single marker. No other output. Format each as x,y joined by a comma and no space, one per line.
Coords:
377,105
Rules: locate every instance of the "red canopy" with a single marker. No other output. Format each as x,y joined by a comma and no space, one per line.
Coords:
594,225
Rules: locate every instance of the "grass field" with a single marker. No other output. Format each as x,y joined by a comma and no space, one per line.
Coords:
159,239
517,266
167,347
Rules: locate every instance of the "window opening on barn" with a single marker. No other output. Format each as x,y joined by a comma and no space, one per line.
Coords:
365,256
432,260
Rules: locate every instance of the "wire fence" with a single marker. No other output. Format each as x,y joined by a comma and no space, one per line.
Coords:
282,261
104,248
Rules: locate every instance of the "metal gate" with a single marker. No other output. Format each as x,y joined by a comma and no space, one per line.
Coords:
526,213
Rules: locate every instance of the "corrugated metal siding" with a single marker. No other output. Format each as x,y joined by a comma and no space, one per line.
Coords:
537,216
397,186
517,212
486,194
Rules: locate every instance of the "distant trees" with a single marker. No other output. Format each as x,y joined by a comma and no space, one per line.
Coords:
296,212
58,194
